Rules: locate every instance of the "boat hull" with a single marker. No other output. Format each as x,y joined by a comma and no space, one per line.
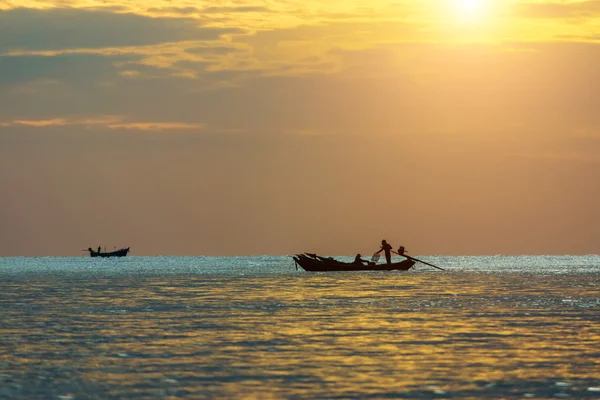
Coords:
117,253
313,263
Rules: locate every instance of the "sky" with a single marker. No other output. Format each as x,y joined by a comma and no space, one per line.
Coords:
452,127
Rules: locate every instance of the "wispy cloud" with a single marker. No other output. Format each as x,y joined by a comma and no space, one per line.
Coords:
37,123
174,10
107,122
66,28
236,9
155,126
559,10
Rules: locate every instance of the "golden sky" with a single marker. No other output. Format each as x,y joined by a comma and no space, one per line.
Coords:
274,127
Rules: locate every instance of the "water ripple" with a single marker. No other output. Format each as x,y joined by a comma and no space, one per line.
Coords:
464,334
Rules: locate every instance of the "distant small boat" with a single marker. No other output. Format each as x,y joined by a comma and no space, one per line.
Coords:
314,263
116,253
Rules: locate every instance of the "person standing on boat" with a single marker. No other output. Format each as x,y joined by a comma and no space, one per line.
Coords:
387,249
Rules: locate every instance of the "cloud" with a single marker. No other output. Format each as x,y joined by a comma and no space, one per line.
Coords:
54,29
580,38
391,89
106,122
111,64
217,50
65,67
560,10
174,10
235,9
155,126
37,123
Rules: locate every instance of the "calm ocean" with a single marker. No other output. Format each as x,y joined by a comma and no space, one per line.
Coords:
493,327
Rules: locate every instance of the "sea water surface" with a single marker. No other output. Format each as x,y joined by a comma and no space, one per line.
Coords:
256,328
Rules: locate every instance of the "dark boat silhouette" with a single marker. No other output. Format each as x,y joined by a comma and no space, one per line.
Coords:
314,263
116,253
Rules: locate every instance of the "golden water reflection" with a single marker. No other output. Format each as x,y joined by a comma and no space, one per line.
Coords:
373,335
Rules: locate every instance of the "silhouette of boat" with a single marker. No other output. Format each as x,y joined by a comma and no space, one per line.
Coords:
314,263
116,253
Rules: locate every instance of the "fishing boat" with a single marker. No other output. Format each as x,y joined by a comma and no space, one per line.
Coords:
314,263
116,253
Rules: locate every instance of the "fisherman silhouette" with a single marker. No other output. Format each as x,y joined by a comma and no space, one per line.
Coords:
387,249
359,260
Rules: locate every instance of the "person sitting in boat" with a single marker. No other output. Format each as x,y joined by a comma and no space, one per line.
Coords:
401,250
359,260
387,249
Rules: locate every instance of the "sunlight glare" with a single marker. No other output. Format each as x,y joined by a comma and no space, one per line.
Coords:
469,9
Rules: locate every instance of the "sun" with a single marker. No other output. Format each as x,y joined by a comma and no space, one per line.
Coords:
469,9
469,6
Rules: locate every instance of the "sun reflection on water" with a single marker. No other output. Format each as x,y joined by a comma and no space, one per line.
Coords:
301,336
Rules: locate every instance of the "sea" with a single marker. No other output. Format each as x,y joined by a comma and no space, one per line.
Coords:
488,327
